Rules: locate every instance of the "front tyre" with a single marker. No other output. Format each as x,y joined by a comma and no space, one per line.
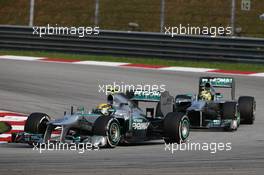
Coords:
176,127
247,108
110,128
113,134
230,113
36,123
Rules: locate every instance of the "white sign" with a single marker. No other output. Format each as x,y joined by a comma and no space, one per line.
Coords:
246,5
261,17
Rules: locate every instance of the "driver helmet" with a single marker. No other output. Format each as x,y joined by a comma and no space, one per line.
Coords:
207,86
104,108
206,94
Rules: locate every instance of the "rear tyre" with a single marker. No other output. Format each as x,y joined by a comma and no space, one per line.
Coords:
176,127
109,127
247,108
36,123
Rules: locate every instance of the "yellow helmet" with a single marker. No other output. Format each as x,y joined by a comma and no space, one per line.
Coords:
104,108
206,95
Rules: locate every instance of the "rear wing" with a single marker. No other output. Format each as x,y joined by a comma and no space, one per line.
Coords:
164,99
218,82
147,96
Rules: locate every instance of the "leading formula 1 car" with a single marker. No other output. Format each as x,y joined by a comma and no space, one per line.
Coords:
209,109
120,120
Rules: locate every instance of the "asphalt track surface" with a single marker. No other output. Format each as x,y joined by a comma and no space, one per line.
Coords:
54,87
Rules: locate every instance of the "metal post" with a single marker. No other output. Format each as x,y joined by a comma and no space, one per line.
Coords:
96,13
31,13
233,16
162,14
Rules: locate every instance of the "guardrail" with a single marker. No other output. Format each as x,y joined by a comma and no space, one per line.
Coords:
138,44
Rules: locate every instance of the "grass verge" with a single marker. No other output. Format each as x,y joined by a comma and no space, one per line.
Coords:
3,127
148,61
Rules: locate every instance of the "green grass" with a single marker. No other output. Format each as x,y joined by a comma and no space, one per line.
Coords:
3,127
149,61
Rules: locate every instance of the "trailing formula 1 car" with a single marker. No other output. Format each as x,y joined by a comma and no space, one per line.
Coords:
120,120
209,109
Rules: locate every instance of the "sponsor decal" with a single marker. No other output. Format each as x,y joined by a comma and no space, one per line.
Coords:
147,94
138,124
218,81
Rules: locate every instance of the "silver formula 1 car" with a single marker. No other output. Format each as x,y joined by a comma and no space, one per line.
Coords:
120,120
214,107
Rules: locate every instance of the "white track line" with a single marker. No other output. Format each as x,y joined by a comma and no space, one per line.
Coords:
18,127
2,111
24,58
186,69
257,75
13,118
5,135
119,64
101,63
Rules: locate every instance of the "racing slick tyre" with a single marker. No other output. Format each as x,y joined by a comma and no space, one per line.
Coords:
176,127
36,123
230,112
109,127
247,108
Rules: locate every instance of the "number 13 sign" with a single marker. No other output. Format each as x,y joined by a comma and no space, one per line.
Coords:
245,5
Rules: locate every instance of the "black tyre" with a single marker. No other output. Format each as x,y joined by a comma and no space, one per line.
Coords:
247,108
176,127
230,112
109,127
36,123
